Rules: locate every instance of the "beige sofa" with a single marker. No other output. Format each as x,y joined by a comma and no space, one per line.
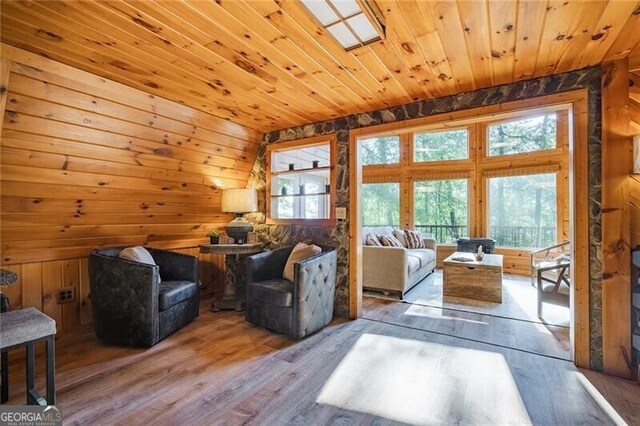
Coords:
395,269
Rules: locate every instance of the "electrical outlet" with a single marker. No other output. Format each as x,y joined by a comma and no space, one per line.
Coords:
341,213
66,295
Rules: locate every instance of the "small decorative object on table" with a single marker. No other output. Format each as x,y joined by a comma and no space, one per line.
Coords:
315,164
283,191
479,254
301,189
292,166
214,237
252,238
225,239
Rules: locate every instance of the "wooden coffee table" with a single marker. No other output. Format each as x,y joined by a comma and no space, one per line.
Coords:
479,280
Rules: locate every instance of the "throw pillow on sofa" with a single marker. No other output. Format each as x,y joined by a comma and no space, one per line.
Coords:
414,239
300,252
389,241
399,234
372,240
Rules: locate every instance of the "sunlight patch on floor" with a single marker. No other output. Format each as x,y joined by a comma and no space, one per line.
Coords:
519,300
427,312
418,382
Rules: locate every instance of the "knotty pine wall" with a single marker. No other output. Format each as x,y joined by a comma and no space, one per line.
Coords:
87,162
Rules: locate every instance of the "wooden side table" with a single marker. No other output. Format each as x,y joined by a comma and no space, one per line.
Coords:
234,283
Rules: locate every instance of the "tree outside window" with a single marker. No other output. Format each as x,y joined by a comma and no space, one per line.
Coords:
523,210
440,208
531,134
380,204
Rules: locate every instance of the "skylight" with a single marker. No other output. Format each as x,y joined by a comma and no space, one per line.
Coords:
351,22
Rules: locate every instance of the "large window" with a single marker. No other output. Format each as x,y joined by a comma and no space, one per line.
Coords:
380,150
438,146
381,204
522,210
504,175
534,133
440,208
300,180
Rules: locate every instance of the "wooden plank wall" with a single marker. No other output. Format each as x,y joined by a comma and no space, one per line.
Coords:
87,162
616,278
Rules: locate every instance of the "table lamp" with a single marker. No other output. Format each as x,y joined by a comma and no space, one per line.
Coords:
239,201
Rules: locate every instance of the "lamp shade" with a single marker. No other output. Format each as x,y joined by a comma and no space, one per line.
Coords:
239,200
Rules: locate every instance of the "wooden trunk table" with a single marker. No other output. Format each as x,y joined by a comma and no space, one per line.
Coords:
479,280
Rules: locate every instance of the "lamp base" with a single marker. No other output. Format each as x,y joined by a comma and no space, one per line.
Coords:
238,229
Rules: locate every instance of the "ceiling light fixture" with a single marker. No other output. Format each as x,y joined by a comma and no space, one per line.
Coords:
352,23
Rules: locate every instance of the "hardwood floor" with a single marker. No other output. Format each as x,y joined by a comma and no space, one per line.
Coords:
222,370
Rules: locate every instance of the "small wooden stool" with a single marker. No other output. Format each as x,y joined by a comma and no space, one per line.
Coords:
26,327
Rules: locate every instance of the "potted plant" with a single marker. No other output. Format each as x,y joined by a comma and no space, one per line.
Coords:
214,237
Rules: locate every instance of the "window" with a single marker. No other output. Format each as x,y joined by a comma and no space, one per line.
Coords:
300,180
489,173
534,133
440,208
438,146
347,21
523,210
380,150
380,204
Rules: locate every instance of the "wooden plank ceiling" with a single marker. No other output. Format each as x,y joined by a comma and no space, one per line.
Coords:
268,65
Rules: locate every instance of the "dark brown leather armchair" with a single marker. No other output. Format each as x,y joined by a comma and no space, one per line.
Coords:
296,308
131,307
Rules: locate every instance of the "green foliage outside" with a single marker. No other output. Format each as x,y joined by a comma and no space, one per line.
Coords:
515,137
380,204
522,210
440,208
380,150
438,146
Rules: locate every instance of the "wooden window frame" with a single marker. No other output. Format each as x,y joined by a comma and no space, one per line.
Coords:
295,144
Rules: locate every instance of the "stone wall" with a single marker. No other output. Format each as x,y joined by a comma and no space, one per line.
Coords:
338,236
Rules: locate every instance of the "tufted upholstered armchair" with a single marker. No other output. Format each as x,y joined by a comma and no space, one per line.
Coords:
297,308
131,307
